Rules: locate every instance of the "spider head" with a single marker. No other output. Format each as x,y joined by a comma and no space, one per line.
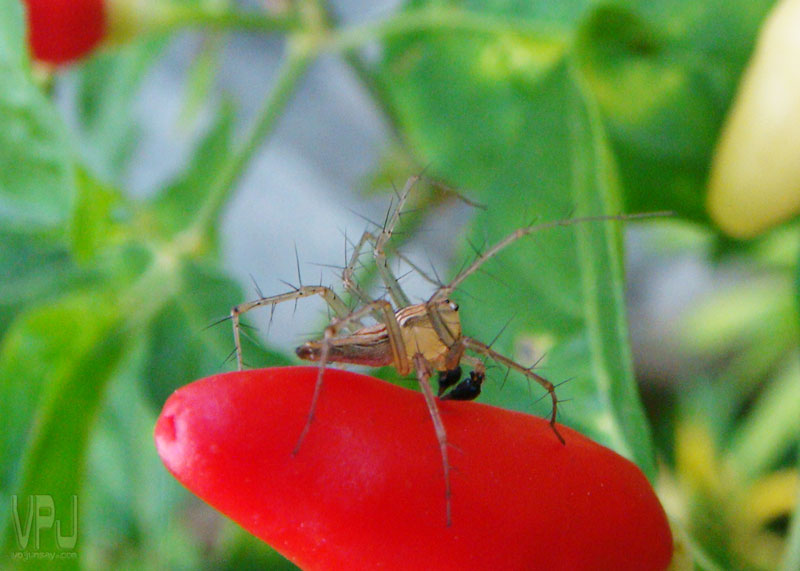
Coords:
448,310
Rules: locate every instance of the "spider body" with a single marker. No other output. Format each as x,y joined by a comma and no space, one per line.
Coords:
373,345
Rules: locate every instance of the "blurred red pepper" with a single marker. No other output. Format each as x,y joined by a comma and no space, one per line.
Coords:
366,489
61,31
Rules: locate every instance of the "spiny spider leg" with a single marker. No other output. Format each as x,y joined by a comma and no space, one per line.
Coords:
330,297
390,331
393,286
445,291
424,372
381,310
456,354
378,243
459,344
348,274
484,349
321,351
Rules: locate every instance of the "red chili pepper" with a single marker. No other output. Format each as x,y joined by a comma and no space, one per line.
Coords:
366,488
61,31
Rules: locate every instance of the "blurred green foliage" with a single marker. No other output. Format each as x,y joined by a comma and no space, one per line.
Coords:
541,111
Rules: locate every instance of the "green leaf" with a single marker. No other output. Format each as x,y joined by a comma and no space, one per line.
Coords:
33,270
796,288
54,363
770,430
200,80
36,186
507,116
93,224
791,555
245,552
599,257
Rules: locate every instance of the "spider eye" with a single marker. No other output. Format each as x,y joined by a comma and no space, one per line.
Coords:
453,306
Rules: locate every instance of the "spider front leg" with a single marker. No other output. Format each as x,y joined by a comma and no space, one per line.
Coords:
330,297
378,243
348,279
424,372
444,291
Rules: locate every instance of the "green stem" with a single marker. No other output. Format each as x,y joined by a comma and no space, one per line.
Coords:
128,19
292,70
230,20
435,19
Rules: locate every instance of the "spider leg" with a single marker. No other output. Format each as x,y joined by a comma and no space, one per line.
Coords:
330,297
399,356
424,372
457,344
381,310
444,291
392,285
484,349
348,279
378,243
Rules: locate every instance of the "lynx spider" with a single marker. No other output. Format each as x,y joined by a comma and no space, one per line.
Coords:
421,337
